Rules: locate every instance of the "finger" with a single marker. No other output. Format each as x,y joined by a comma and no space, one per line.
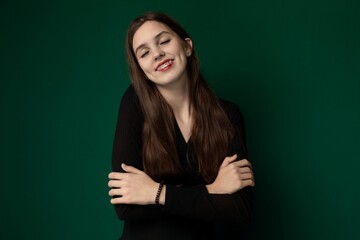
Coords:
122,191
118,200
243,163
115,192
116,183
117,175
245,170
112,175
228,160
130,169
247,183
246,176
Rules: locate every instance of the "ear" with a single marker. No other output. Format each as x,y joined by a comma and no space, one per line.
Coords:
188,46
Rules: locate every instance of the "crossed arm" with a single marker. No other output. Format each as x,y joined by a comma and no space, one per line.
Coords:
136,187
228,198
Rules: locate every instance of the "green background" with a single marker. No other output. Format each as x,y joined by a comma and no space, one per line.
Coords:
292,66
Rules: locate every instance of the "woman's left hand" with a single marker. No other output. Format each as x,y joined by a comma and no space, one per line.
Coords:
132,187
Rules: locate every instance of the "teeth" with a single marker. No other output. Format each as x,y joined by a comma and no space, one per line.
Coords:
165,65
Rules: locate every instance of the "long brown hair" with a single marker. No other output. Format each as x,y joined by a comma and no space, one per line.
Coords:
211,132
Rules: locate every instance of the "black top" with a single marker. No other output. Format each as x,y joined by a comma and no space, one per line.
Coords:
190,212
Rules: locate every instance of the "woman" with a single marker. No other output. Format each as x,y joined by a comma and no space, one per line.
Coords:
179,154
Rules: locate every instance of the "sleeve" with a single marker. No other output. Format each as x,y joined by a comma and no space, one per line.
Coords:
234,209
127,149
188,201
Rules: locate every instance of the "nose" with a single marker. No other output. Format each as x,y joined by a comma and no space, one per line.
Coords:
158,54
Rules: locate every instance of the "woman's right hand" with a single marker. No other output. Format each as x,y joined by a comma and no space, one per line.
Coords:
233,175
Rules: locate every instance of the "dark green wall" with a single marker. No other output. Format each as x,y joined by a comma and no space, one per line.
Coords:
292,66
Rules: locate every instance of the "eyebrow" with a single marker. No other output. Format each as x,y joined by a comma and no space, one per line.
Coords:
157,36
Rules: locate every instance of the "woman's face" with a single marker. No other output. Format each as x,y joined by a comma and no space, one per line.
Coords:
161,54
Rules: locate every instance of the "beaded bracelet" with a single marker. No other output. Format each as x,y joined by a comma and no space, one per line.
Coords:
157,198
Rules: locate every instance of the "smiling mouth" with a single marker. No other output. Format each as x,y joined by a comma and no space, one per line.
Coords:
164,66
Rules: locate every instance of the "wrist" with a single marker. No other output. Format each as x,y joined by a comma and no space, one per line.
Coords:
160,198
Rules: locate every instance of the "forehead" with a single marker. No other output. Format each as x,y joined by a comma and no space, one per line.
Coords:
148,31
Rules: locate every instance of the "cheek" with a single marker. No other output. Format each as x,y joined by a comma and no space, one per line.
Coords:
144,66
182,53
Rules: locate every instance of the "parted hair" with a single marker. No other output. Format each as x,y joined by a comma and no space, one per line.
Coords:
211,132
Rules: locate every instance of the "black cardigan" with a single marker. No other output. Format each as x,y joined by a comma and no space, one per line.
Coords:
190,212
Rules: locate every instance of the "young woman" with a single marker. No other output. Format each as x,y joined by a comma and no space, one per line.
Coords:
179,154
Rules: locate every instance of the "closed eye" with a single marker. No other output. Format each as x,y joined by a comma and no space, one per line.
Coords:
144,54
165,42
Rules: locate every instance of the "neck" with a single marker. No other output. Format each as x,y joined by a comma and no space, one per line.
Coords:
177,96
